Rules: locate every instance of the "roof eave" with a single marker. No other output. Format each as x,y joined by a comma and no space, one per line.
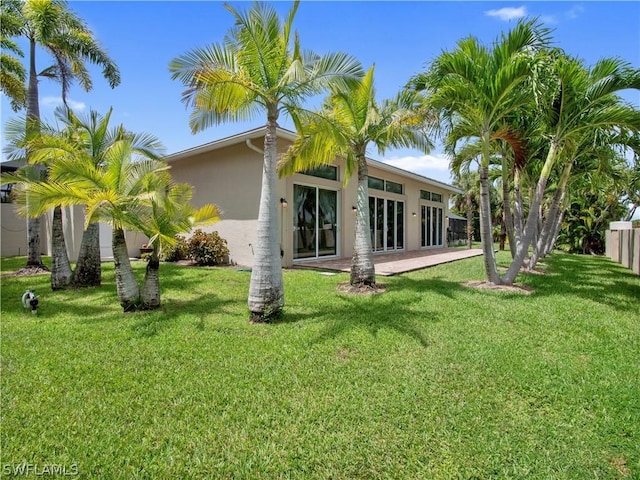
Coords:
228,141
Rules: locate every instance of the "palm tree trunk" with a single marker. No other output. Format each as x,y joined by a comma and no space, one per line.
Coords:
518,211
60,267
486,233
33,115
552,221
126,284
150,292
469,221
88,271
522,249
506,210
556,230
362,264
266,293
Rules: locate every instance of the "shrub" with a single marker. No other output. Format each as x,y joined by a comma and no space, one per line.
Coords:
207,248
177,252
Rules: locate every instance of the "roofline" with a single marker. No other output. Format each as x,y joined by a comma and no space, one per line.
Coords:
289,135
415,176
228,141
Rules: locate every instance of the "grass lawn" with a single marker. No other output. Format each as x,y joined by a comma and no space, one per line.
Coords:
429,380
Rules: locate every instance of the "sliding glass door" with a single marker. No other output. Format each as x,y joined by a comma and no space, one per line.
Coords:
386,219
432,226
314,222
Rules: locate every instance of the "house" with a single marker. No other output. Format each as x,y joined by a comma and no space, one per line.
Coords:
407,211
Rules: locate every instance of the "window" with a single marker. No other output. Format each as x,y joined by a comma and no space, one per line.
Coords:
376,183
434,197
5,193
393,187
386,185
325,171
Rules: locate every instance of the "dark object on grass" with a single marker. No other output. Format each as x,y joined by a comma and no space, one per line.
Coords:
30,300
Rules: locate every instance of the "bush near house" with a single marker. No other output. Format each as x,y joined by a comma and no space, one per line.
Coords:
177,252
207,248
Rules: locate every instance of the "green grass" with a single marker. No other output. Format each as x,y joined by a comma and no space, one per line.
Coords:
430,380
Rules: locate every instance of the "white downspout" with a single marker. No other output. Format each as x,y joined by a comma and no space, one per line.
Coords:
253,147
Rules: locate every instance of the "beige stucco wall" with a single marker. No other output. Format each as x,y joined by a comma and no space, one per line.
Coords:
231,178
13,232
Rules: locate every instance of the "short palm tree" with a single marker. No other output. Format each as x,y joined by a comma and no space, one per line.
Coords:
111,191
348,123
259,67
166,213
51,25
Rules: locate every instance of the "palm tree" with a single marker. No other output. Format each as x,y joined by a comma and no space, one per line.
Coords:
586,99
51,25
259,67
111,191
87,139
165,214
467,181
12,72
349,122
478,90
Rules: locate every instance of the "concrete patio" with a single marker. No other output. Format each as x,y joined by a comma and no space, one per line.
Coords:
388,264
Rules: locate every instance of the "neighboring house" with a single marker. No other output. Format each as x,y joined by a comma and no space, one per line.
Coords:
13,229
408,211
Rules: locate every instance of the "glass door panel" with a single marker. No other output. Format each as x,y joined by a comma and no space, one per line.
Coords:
379,224
423,230
327,222
399,225
304,221
440,225
314,222
391,217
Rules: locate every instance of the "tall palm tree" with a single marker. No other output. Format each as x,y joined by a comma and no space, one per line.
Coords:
348,123
166,213
259,67
112,191
478,90
51,25
586,99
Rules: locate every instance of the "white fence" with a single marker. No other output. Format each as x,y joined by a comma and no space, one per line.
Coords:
623,246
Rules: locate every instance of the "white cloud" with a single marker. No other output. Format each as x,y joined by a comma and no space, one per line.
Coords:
432,166
574,12
507,13
549,19
53,102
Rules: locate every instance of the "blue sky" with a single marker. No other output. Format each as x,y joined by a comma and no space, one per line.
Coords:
401,38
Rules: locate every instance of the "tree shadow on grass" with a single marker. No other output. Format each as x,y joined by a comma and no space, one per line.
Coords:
591,278
389,310
150,323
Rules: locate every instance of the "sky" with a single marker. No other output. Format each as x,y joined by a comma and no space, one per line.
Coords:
400,38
